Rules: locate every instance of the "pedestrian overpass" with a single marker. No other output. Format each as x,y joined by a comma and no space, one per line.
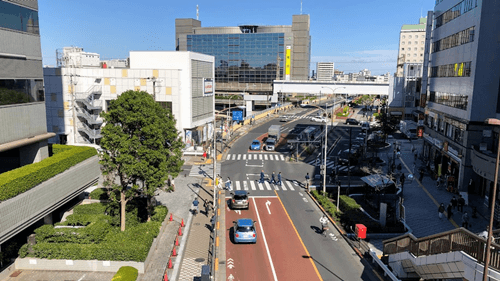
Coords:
324,88
454,254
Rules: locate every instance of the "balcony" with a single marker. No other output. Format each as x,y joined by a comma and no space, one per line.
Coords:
91,133
483,163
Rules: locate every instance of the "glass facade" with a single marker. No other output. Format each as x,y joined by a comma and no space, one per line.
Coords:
243,58
18,18
20,91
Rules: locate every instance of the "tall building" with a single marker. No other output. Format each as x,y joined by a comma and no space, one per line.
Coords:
462,88
411,44
250,57
24,150
83,85
324,71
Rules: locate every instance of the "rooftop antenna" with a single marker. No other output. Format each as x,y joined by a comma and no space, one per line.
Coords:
197,13
301,7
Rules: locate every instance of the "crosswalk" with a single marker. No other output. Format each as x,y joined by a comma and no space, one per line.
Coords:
297,116
330,165
256,185
256,156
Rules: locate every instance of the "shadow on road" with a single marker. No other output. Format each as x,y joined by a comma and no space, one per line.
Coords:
318,263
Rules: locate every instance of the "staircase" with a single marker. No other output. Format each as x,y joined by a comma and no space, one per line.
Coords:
87,110
458,253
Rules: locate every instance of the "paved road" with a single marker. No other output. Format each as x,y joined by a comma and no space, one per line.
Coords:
303,251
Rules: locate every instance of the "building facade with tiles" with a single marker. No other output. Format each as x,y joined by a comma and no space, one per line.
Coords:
82,86
461,89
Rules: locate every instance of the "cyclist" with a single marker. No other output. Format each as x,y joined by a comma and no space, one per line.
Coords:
324,224
195,204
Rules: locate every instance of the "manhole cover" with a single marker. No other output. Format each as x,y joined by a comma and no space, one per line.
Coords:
199,260
196,223
309,211
222,262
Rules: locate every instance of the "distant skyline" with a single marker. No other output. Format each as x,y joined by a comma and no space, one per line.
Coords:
353,34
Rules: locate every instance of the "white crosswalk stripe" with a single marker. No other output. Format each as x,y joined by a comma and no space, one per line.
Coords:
239,156
265,156
260,156
244,157
234,156
228,157
283,186
282,157
252,185
237,183
268,187
261,186
290,185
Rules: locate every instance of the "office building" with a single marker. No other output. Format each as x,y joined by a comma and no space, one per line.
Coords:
83,85
24,136
249,57
324,71
462,89
411,44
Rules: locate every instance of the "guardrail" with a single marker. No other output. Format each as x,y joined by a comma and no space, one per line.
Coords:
387,271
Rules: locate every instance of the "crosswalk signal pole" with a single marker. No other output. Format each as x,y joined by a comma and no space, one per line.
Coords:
324,166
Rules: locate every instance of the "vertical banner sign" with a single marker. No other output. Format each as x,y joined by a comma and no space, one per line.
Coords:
287,62
204,133
208,87
189,140
210,131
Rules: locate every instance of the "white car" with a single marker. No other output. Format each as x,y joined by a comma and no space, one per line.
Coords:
320,119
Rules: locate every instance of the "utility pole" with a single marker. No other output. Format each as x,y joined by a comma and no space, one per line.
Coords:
324,163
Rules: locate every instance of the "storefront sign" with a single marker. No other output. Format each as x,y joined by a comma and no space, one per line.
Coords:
287,62
208,85
420,132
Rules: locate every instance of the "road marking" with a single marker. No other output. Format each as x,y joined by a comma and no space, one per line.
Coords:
300,193
268,203
305,199
234,156
290,185
265,156
283,186
277,158
238,212
252,185
282,157
244,157
276,186
261,187
238,185
297,233
228,157
260,157
333,237
82,277
267,185
265,241
245,185
239,156
230,277
230,263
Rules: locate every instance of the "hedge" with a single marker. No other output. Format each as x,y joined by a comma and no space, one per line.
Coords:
15,182
99,194
101,239
126,273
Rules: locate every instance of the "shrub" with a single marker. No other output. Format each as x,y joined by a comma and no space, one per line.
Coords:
126,273
15,182
159,214
99,194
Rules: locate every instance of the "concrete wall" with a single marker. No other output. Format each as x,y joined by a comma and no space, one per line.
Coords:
75,265
25,209
300,50
21,121
29,66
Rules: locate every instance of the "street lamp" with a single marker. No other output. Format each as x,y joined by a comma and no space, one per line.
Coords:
334,99
496,122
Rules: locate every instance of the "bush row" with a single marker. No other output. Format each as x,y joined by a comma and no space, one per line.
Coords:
15,182
126,273
99,194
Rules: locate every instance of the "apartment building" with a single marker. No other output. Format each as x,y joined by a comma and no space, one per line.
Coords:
411,45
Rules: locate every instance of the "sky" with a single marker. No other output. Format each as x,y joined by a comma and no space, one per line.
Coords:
353,34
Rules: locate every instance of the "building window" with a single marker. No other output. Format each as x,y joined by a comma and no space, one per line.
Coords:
449,99
421,48
421,55
402,49
456,11
18,18
414,49
403,42
461,69
416,42
463,37
409,42
409,36
403,37
416,36
414,55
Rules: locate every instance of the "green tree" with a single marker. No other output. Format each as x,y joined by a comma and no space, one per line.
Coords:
141,147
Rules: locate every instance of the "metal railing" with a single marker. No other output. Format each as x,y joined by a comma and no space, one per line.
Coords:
92,133
91,119
450,241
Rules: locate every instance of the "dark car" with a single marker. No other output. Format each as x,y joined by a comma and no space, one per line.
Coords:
351,121
239,199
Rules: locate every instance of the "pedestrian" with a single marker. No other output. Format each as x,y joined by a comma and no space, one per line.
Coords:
454,202
461,203
173,185
438,182
261,177
412,148
228,184
204,155
402,180
279,178
465,220
195,204
415,155
448,210
441,211
307,181
206,204
212,222
421,176
273,179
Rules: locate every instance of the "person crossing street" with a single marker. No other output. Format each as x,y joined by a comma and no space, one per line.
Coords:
228,184
279,178
307,181
273,179
261,177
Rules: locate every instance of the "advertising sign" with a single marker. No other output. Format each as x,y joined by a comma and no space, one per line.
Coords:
237,115
287,62
189,140
208,87
420,132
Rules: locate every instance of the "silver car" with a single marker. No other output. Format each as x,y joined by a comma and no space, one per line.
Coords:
270,144
239,199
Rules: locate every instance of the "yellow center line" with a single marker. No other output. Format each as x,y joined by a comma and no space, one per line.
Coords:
300,239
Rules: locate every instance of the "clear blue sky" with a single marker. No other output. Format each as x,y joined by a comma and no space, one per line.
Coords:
353,34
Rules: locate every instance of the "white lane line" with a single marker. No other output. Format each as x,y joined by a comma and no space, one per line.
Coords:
244,157
267,185
239,156
265,157
261,187
228,157
290,185
282,157
265,241
238,185
252,185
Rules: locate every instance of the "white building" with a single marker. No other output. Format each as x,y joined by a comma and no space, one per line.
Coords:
324,71
411,44
77,92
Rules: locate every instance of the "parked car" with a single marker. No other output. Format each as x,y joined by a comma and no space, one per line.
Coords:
270,144
255,145
244,231
351,121
239,199
320,119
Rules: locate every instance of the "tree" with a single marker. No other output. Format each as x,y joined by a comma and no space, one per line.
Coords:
141,147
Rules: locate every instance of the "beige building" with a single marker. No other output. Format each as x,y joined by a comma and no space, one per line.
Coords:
411,44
